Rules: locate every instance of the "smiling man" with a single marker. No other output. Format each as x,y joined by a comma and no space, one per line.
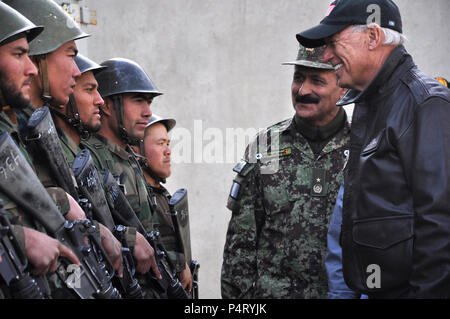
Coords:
396,213
276,240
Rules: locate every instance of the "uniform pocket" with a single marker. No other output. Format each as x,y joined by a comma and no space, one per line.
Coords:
383,250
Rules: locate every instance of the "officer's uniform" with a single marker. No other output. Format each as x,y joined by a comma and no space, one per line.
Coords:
281,201
276,240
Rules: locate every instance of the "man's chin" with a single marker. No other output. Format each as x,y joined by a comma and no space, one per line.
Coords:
94,128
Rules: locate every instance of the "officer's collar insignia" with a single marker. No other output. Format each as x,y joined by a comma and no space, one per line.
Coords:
280,153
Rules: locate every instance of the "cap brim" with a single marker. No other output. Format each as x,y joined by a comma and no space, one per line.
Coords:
310,64
315,36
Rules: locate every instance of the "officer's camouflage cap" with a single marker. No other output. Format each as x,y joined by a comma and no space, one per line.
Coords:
311,57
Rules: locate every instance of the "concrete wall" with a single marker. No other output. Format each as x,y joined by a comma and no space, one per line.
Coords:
219,65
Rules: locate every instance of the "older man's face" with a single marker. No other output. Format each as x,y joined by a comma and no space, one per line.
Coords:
347,52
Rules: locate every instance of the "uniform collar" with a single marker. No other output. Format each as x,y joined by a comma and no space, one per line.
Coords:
320,133
113,147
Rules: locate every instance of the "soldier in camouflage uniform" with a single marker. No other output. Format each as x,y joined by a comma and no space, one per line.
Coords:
53,53
16,73
284,192
128,92
76,121
154,156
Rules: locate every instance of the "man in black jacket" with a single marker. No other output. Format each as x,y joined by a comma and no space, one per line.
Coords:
396,211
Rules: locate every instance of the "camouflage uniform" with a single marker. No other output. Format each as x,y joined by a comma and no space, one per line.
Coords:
165,226
126,170
276,240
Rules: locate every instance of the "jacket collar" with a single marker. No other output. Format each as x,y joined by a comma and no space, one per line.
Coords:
113,147
381,80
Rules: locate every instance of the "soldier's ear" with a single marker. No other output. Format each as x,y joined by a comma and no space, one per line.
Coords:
108,107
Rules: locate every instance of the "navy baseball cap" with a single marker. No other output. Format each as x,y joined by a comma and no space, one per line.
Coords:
344,13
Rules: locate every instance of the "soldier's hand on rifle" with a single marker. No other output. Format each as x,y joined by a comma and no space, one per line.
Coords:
43,251
185,278
144,255
113,248
75,212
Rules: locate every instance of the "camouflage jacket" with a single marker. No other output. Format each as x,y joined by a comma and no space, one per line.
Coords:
17,215
166,228
126,170
281,201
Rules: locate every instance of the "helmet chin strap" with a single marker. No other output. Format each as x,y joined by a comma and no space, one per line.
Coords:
73,117
143,161
118,108
43,74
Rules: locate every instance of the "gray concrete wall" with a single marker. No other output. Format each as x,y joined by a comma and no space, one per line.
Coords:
219,65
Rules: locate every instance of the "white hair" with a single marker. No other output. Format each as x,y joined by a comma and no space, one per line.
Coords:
392,37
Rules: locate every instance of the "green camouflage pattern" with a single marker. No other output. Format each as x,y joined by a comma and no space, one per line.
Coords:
13,211
53,284
69,147
165,226
312,58
126,170
276,239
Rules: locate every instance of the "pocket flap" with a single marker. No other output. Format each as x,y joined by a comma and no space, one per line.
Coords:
382,233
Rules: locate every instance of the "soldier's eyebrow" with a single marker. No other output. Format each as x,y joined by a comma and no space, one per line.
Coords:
90,84
20,48
73,49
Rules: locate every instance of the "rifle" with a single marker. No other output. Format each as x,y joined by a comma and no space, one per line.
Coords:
20,183
14,263
90,186
179,212
124,214
43,141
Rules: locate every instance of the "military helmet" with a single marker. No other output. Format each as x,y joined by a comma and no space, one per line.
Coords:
72,116
13,24
85,64
124,76
59,25
311,58
168,123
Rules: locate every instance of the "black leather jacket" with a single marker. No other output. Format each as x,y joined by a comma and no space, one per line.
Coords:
396,215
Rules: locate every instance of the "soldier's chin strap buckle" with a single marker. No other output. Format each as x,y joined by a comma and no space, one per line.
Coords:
43,73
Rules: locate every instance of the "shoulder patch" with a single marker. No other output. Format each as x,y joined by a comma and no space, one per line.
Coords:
243,167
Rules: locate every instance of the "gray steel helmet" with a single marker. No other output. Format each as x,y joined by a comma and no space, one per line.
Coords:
72,115
13,24
124,76
59,25
85,64
168,123
311,58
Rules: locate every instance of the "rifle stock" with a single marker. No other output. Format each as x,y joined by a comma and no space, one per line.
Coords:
179,211
19,182
124,214
91,187
43,141
14,263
